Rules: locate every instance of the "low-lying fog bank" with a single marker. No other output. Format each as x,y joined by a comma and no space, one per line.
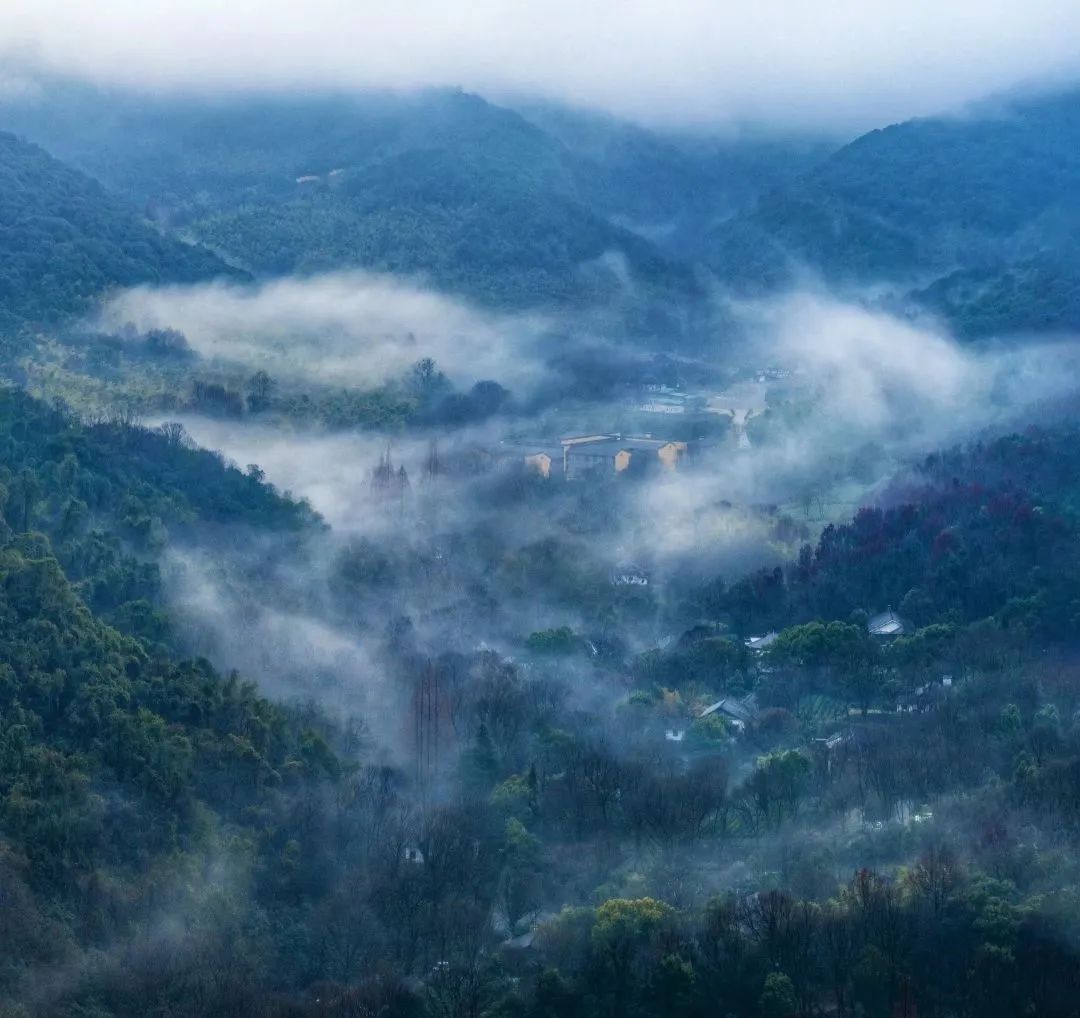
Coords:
486,557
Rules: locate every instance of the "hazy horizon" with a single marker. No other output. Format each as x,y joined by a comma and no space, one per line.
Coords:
804,66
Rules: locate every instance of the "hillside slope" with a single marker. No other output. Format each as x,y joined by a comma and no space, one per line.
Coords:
983,202
121,766
63,240
467,195
673,187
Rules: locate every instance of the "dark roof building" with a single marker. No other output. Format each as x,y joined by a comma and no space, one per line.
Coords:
760,643
744,709
616,453
888,625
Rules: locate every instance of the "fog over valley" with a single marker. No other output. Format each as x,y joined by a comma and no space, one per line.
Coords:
536,510
349,329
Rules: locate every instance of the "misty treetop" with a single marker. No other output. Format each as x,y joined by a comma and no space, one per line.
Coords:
571,858
108,497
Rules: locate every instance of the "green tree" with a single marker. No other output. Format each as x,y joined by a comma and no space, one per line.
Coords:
777,998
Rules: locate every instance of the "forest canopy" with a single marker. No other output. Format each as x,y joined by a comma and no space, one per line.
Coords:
64,240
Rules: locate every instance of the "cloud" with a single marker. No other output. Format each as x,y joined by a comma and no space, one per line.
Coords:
789,62
871,394
348,328
332,471
293,653
909,384
874,373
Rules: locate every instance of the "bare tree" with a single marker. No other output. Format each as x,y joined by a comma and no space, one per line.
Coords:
175,434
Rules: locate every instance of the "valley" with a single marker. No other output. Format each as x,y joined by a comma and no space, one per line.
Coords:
465,555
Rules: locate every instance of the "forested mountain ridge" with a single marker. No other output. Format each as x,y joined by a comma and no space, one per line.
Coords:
466,229
64,240
125,777
1033,294
673,187
470,196
969,216
970,534
969,201
128,788
106,498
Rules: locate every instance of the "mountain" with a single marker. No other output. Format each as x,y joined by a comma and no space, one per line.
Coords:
1030,295
545,207
108,498
63,240
969,218
442,184
970,213
674,187
112,751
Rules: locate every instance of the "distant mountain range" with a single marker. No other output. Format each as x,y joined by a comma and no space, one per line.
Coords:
967,218
544,207
972,217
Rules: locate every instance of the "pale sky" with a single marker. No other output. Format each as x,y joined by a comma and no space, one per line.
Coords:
847,63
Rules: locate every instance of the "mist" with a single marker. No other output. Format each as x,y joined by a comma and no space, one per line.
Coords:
348,328
866,396
810,65
869,394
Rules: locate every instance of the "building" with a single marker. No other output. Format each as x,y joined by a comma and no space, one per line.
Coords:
926,697
588,455
540,462
665,399
578,456
587,458
759,644
541,457
742,711
663,405
888,625
570,440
